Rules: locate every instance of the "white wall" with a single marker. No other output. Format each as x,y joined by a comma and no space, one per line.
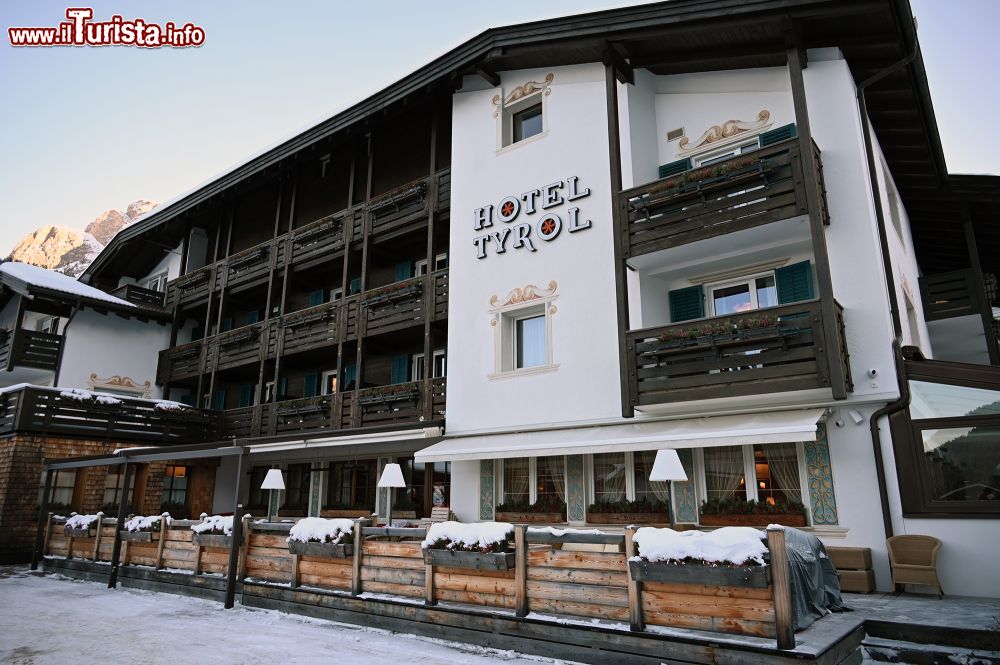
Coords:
465,490
109,345
585,345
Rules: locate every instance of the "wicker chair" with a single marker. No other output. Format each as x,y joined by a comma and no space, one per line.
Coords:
914,561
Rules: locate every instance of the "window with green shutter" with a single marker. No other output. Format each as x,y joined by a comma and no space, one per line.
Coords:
197,333
317,297
350,375
246,396
777,135
400,369
219,400
673,168
310,385
794,282
253,316
404,270
687,304
227,324
354,286
283,387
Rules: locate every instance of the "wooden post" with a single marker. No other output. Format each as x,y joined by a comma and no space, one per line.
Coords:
44,520
163,540
429,597
69,547
356,566
97,537
238,522
635,620
197,550
116,551
247,528
295,571
520,570
781,588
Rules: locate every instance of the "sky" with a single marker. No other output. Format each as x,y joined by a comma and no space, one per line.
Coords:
85,129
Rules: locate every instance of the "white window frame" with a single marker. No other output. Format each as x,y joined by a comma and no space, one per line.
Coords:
336,294
420,267
47,324
750,471
417,365
748,280
157,282
505,119
505,338
325,381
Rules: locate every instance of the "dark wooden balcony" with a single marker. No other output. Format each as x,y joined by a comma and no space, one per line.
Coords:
406,207
239,347
313,328
192,288
402,304
251,266
951,294
29,348
139,295
765,351
746,191
400,404
181,362
55,413
315,242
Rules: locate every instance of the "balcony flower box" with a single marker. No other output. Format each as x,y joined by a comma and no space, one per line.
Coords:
141,529
729,512
348,513
397,197
389,394
318,537
313,232
392,293
521,517
640,511
214,531
480,546
81,526
547,509
665,555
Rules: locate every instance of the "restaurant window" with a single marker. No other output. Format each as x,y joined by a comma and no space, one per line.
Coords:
533,480
774,471
516,480
113,487
257,497
948,446
725,473
351,484
297,488
61,491
625,477
175,484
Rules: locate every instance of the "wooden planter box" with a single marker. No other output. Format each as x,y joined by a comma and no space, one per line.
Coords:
140,536
475,560
325,550
754,519
530,517
628,518
212,540
750,577
79,533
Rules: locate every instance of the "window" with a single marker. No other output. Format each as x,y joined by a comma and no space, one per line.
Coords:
257,497
437,369
352,485
532,480
175,484
609,477
156,282
330,382
440,263
297,487
776,472
625,476
725,473
48,324
336,294
744,295
774,469
522,334
516,480
529,341
61,492
948,445
113,485
527,123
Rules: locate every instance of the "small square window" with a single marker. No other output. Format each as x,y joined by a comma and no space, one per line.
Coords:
523,340
527,123
530,341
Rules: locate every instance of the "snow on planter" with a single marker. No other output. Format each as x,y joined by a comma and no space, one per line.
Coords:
143,529
214,531
80,526
483,545
87,396
316,536
735,545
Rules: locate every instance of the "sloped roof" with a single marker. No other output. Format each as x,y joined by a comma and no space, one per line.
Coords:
23,278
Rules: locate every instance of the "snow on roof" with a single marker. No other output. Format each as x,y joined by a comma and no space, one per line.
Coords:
48,279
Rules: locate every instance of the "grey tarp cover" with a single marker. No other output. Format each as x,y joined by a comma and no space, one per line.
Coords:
815,583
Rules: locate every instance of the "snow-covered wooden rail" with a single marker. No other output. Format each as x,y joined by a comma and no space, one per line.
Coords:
578,575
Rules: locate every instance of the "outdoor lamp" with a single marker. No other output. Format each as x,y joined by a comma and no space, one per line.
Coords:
666,467
392,476
272,481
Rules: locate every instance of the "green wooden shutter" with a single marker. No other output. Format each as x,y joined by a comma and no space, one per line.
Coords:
246,395
400,369
794,282
227,324
404,270
777,135
253,316
282,386
309,389
317,297
673,168
219,400
197,333
354,286
190,399
686,304
350,374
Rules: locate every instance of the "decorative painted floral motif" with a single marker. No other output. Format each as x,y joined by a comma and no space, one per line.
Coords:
685,501
576,489
820,477
486,489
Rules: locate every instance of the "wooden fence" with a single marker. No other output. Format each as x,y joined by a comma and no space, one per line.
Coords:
578,575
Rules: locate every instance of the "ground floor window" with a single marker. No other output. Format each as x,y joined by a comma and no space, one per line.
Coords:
428,486
61,492
297,480
351,485
175,484
619,477
534,481
257,498
113,489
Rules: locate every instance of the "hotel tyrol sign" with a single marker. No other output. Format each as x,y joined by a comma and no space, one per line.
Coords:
524,221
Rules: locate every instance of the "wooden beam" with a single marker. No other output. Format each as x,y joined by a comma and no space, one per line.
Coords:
116,550
781,588
237,544
520,571
159,546
356,563
985,311
44,520
488,75
623,70
635,619
429,598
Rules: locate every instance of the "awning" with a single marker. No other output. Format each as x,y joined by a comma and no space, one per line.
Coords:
770,427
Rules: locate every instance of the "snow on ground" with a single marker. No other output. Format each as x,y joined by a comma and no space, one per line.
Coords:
61,620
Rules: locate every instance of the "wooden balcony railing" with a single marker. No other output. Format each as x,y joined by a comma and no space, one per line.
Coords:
399,404
55,412
765,351
241,346
192,288
139,295
181,362
30,348
748,190
403,304
252,265
318,239
950,294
